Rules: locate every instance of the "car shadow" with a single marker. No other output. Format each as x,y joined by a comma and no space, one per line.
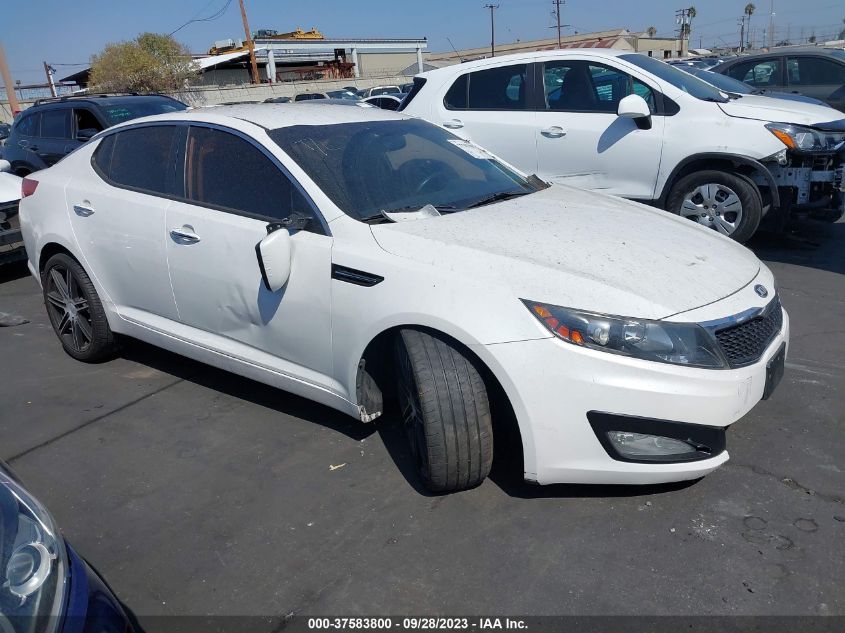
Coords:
13,271
805,243
244,389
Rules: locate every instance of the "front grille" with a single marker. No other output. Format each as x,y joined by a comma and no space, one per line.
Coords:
745,343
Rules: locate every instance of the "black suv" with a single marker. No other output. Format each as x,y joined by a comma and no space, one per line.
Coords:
52,128
815,72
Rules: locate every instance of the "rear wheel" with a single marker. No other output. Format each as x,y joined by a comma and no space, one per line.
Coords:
728,203
445,411
75,311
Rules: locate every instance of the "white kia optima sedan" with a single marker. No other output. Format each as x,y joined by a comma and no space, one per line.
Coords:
352,254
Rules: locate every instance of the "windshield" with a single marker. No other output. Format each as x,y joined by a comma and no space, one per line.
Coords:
683,81
373,166
722,82
119,112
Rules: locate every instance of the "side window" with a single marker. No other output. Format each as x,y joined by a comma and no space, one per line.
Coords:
55,124
102,156
143,158
28,125
761,74
498,88
576,86
84,119
814,71
456,97
224,171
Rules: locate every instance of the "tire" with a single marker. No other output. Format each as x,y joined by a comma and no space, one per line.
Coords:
75,310
728,203
445,410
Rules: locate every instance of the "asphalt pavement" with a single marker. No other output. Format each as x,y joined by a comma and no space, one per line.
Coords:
194,491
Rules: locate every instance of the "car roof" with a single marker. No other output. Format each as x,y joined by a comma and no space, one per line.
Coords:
529,56
836,53
274,115
101,99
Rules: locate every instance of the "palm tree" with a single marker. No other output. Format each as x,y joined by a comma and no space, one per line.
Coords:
687,27
749,9
651,31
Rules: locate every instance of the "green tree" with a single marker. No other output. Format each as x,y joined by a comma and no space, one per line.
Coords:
749,11
149,63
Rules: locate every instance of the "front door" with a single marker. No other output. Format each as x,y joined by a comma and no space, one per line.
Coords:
580,139
232,190
117,209
817,77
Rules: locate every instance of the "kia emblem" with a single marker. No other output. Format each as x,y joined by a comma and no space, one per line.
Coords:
760,290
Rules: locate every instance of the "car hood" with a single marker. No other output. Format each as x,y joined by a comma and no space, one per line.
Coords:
579,249
764,108
10,187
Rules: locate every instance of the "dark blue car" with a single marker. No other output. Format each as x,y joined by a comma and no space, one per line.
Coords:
45,586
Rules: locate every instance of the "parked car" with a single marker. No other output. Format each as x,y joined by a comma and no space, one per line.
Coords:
44,584
52,128
689,63
385,102
310,96
349,253
812,71
633,126
406,88
380,90
737,87
277,100
11,242
348,95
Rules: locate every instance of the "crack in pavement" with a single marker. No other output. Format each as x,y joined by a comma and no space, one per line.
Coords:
122,407
789,482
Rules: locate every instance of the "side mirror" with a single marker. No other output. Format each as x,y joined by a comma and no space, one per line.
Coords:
5,165
85,134
273,253
633,107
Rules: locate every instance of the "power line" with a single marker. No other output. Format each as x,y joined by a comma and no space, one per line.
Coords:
214,16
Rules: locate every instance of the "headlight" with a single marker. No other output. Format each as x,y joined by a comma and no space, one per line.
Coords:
678,343
804,139
33,561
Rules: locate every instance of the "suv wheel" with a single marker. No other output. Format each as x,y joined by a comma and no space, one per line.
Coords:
728,203
75,311
445,411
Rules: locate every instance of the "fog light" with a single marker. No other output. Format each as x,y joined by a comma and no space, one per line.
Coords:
641,445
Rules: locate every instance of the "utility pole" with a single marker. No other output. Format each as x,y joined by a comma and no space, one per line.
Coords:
49,70
771,24
557,4
7,80
250,45
742,34
682,19
492,8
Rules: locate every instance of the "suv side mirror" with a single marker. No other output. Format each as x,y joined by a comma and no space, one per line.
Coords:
86,134
5,166
274,253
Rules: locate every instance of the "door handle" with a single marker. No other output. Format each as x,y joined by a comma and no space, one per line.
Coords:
184,235
453,124
23,143
554,131
83,210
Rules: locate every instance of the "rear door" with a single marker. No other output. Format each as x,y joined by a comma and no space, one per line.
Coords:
817,77
117,210
491,108
580,139
54,140
233,188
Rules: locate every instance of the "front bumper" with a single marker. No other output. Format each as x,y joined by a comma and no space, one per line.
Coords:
553,385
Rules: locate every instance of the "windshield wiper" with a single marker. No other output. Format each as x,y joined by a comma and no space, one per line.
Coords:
381,218
498,197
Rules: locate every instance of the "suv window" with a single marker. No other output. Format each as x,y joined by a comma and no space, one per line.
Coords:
55,124
501,88
814,71
224,171
28,125
579,86
761,74
140,158
84,119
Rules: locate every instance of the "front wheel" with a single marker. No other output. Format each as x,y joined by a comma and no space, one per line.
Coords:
445,411
728,203
75,311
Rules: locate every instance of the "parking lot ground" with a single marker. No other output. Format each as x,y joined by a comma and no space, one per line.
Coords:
194,491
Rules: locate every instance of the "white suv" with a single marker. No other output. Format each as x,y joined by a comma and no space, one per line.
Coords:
633,126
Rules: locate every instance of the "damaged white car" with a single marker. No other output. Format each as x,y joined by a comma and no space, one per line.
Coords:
353,254
11,243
